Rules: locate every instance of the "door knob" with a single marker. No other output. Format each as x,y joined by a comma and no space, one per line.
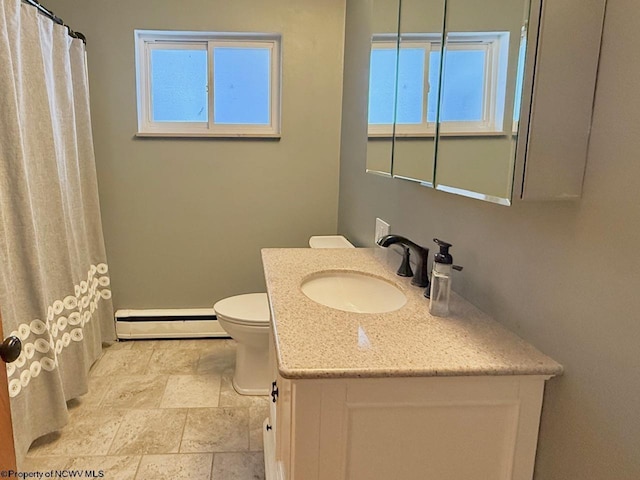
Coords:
10,349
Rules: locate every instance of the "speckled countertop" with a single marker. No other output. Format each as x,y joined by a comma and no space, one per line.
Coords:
315,341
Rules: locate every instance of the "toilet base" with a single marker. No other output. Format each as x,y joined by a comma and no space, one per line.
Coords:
249,391
251,375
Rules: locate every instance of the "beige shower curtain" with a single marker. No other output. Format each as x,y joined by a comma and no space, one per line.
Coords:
54,278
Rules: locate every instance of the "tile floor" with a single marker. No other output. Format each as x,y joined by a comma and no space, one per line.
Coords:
160,409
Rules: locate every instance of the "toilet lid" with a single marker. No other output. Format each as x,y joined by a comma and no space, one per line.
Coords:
247,309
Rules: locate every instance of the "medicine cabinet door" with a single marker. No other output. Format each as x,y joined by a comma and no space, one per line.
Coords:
418,78
383,36
482,75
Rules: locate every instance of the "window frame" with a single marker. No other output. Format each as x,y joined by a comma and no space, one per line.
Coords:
148,40
494,43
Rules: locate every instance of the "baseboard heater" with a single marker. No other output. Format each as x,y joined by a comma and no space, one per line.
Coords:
168,323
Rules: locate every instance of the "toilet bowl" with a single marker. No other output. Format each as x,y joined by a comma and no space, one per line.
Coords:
246,319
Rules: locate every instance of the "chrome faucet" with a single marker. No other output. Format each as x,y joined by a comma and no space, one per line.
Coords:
421,277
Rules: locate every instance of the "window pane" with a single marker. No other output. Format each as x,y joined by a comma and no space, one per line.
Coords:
463,94
382,81
179,85
242,85
520,79
434,85
410,85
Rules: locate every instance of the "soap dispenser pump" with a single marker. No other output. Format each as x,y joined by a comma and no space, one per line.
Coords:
441,280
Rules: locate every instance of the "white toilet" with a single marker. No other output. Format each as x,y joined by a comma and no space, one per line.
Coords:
246,319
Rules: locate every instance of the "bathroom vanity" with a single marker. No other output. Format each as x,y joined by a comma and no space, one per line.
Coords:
400,394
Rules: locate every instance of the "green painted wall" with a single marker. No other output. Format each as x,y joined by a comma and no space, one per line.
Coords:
184,219
564,276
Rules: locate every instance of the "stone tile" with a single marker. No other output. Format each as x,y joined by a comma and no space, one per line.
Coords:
216,430
230,398
88,433
217,360
149,431
121,362
118,345
43,464
191,391
208,344
135,391
188,466
167,344
143,344
98,387
257,414
177,362
186,344
238,466
112,467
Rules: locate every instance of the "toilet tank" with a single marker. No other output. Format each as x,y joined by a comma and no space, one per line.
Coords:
329,241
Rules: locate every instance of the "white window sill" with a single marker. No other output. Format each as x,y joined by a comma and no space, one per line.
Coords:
208,135
442,134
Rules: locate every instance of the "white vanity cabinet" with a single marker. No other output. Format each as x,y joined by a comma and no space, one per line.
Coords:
472,428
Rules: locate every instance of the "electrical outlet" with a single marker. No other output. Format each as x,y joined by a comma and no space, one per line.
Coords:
382,229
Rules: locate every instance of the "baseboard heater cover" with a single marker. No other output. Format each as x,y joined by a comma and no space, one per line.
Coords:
168,323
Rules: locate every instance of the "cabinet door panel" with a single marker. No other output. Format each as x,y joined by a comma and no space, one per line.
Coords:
470,441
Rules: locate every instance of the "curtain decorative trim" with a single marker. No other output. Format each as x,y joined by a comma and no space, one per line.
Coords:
49,337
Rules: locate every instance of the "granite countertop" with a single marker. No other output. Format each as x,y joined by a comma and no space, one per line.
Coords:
315,341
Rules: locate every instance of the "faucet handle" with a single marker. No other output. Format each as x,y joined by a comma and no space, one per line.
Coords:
405,267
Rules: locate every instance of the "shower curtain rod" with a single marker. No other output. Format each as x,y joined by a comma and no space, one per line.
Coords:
49,14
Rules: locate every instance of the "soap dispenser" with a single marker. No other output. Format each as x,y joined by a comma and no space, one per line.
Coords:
441,280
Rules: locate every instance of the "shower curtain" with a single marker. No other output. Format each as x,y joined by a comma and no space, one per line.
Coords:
54,279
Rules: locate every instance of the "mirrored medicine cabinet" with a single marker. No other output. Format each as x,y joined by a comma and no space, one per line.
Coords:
490,100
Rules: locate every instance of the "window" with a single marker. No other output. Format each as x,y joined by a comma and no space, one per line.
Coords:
207,84
474,82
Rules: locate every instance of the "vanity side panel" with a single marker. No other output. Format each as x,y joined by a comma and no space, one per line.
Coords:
562,101
531,394
305,429
333,431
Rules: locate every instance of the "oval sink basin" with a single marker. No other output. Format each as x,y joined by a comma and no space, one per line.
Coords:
353,292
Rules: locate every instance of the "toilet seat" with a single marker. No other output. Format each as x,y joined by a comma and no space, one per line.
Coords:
251,309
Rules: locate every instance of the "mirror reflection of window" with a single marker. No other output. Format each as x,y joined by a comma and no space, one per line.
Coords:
463,98
382,83
522,53
474,78
413,104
